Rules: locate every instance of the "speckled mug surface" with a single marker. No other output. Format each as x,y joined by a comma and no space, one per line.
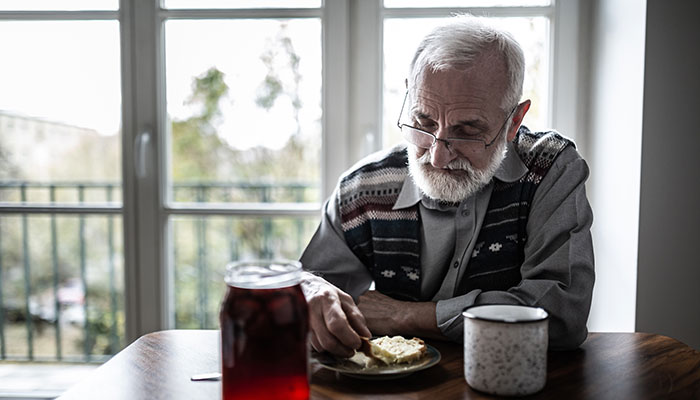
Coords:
505,349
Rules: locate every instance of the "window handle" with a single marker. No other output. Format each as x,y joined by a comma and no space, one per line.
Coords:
141,145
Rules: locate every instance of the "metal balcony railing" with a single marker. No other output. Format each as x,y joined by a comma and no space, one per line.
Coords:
73,303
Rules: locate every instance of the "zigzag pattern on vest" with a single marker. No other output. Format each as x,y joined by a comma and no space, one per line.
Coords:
538,150
385,240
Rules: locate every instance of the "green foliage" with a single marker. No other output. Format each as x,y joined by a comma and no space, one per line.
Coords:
99,328
208,89
268,92
282,52
196,147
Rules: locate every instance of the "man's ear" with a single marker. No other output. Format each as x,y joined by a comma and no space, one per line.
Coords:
517,119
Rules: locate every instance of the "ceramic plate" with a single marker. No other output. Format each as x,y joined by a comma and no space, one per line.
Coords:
349,368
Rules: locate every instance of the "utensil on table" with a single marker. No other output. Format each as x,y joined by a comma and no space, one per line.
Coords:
209,376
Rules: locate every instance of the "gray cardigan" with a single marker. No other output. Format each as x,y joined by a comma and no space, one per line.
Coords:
557,271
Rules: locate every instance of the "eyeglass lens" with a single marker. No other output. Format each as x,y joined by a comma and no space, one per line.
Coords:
425,141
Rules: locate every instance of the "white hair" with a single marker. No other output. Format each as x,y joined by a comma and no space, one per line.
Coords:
460,41
442,186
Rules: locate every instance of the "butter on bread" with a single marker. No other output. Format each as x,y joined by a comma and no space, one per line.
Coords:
396,349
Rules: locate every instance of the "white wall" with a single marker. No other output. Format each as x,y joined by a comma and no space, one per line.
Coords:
668,291
614,144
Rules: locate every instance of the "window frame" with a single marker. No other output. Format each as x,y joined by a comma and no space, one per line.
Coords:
52,209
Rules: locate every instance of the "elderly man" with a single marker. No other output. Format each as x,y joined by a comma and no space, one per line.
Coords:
472,209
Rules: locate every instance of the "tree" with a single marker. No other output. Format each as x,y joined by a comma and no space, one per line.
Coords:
197,149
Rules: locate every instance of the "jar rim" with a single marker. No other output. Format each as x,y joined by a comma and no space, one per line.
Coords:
263,273
506,313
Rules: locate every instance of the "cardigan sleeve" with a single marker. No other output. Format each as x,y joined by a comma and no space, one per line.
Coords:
558,268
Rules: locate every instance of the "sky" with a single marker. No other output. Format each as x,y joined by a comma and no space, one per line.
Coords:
64,71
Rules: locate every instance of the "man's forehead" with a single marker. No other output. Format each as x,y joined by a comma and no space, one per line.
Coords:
422,94
432,103
453,86
482,80
489,66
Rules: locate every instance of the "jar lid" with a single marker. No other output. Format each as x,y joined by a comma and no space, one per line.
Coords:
263,274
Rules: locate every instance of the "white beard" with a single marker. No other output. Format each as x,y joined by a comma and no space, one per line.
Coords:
443,186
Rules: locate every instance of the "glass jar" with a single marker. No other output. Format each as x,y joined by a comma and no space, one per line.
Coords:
264,323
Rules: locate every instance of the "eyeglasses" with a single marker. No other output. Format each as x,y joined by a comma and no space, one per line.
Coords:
463,146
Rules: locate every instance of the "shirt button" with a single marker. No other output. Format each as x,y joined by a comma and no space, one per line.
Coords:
465,212
456,264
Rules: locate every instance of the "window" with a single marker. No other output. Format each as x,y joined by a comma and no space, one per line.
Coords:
138,158
245,129
61,250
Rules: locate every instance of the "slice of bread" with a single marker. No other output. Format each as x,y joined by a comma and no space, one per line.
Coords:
396,349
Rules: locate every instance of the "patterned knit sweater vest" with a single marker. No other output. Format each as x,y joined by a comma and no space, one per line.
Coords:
387,240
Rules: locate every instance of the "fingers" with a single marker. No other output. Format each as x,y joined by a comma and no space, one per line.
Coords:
331,345
332,330
323,337
337,324
323,341
355,318
315,343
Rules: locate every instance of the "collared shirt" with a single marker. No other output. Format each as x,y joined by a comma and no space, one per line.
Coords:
557,272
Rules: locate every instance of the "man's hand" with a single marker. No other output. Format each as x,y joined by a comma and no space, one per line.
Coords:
387,316
336,322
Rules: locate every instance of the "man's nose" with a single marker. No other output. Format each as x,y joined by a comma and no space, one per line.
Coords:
441,154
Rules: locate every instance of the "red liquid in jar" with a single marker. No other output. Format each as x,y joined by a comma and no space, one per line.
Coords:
264,343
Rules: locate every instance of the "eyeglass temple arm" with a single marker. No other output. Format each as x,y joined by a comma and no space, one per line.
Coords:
398,122
510,115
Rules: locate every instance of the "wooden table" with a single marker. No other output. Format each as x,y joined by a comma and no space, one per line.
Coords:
608,365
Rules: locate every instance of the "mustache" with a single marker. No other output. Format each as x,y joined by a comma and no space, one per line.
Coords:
456,164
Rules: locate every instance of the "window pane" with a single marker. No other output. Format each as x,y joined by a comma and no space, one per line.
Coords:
60,110
202,246
463,3
402,36
244,101
58,5
242,3
61,288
